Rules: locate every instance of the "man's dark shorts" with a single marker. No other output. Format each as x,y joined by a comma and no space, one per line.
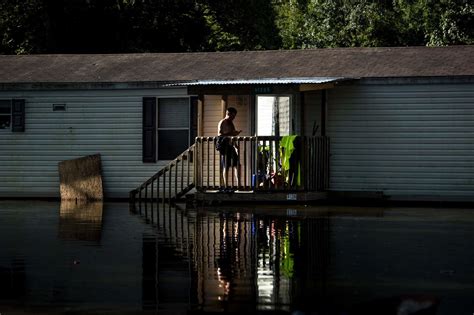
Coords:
230,158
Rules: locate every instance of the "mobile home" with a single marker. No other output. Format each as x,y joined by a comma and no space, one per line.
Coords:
399,121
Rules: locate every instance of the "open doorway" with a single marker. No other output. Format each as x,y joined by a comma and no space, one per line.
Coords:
273,115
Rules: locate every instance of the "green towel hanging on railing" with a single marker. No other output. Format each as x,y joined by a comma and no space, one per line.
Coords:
287,147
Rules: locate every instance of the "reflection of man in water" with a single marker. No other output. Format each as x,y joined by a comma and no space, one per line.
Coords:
229,154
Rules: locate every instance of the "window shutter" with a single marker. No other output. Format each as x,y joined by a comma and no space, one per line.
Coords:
18,115
149,130
193,119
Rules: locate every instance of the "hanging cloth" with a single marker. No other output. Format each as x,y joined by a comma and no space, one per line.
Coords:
287,147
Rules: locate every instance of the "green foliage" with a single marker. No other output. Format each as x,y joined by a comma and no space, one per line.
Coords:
86,26
290,20
162,26
437,23
320,23
219,37
106,26
240,25
21,26
337,23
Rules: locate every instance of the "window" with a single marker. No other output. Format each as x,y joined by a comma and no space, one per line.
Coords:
169,127
5,114
173,127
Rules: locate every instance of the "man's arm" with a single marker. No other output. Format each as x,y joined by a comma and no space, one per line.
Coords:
236,132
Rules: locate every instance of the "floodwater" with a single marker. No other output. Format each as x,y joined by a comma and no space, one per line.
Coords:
103,259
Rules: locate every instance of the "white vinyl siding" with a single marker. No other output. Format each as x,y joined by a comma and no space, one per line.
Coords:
108,122
409,141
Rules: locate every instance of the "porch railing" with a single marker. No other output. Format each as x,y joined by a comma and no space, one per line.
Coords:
265,164
171,182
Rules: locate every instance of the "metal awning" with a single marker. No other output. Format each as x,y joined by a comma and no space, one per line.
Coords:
303,80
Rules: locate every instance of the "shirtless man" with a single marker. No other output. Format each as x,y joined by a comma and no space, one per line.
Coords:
230,157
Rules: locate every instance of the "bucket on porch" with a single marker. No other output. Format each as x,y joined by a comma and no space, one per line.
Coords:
257,178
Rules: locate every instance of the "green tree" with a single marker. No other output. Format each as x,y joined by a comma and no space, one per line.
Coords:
292,25
323,23
240,24
102,26
105,26
22,26
162,26
338,23
436,23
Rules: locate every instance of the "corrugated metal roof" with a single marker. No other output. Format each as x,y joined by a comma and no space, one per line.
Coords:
315,80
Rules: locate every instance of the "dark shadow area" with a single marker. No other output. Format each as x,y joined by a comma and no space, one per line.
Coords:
13,282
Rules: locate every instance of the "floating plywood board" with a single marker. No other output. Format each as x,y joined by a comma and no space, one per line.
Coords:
81,179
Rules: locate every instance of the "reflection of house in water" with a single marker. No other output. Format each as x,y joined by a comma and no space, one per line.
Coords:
224,260
81,221
234,261
293,258
165,264
312,262
12,280
323,261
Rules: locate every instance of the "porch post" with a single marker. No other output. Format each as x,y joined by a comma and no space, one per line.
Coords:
223,105
252,109
200,115
323,112
300,121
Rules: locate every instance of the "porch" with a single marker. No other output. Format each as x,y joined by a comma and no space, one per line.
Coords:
266,163
269,168
273,163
